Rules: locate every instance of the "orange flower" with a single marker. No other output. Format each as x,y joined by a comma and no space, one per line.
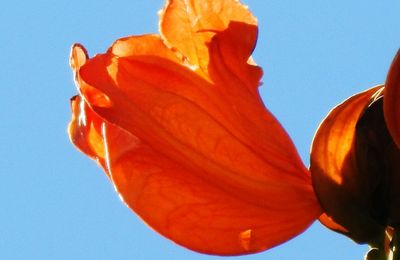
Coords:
178,125
355,163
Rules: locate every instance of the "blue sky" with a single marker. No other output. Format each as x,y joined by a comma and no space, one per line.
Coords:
57,204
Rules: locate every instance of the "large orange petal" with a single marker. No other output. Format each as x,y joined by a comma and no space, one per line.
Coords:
142,101
391,104
189,25
183,205
229,102
176,202
189,129
335,173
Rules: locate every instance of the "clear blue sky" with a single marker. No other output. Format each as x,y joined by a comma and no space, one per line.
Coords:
57,204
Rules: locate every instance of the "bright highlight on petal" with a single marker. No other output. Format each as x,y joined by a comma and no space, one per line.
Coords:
177,123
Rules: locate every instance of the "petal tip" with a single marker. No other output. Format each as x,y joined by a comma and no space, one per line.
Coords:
78,56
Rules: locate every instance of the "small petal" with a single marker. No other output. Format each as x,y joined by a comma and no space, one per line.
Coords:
189,25
78,57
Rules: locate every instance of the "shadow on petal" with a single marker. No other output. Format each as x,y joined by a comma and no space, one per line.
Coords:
343,187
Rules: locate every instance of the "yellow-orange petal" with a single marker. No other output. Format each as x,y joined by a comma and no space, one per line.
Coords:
189,25
391,103
145,47
335,172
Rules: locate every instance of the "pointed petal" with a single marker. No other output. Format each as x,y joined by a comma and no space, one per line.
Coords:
189,25
391,103
334,170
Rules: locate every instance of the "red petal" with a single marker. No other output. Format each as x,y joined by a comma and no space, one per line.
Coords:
335,174
391,103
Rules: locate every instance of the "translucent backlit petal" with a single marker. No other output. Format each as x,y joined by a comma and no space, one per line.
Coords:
189,25
185,206
180,204
85,130
192,150
391,103
231,50
184,119
335,173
